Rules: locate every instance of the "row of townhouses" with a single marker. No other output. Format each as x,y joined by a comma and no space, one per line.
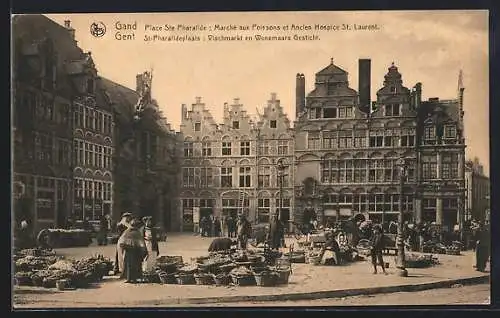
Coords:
85,146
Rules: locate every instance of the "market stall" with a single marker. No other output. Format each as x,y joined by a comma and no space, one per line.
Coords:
43,268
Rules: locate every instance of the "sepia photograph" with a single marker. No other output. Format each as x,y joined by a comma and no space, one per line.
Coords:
250,159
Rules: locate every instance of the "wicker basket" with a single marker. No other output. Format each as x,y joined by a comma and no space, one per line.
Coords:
314,260
283,276
222,279
185,279
265,279
204,279
247,280
167,278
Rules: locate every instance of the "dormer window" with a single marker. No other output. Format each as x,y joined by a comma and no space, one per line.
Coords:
197,126
450,131
90,86
236,125
392,110
272,124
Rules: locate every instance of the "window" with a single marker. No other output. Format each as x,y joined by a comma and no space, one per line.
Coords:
359,139
376,202
329,171
197,126
188,177
429,135
345,139
450,132
245,148
90,86
226,148
345,171
206,149
392,110
283,176
376,170
391,139
99,156
236,125
188,149
376,138
264,148
391,171
264,177
408,137
81,153
78,122
360,170
245,177
88,154
206,177
98,121
282,147
226,177
345,112
263,211
313,141
429,167
392,89
272,124
327,113
329,139
449,166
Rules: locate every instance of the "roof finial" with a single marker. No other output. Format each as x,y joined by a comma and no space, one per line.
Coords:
392,64
331,60
460,80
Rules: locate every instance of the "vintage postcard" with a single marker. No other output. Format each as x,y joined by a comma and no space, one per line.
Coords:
250,159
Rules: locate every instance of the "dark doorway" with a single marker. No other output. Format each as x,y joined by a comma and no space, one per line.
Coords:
284,215
205,212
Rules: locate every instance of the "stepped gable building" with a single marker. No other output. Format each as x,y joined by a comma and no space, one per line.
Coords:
441,150
52,79
146,152
346,147
230,168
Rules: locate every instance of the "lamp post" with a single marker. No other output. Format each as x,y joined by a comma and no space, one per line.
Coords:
400,260
281,173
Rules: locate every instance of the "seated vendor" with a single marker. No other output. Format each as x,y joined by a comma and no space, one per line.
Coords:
222,244
330,250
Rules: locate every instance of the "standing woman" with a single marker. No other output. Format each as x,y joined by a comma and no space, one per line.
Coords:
134,251
120,228
151,241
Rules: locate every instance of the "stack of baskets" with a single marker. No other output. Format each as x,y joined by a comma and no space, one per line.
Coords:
364,247
222,279
204,279
266,278
314,258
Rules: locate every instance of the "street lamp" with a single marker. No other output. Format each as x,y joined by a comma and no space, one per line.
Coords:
400,259
281,174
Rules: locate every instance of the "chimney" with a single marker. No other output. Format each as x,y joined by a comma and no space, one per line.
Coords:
364,85
67,25
461,90
416,95
184,111
300,94
139,83
198,100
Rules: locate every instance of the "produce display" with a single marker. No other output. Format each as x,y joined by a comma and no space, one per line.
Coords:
420,260
46,268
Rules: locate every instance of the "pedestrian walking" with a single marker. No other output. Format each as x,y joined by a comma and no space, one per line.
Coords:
134,251
244,230
377,245
482,248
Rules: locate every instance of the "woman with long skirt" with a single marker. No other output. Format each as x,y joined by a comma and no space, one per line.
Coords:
121,227
151,244
134,251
